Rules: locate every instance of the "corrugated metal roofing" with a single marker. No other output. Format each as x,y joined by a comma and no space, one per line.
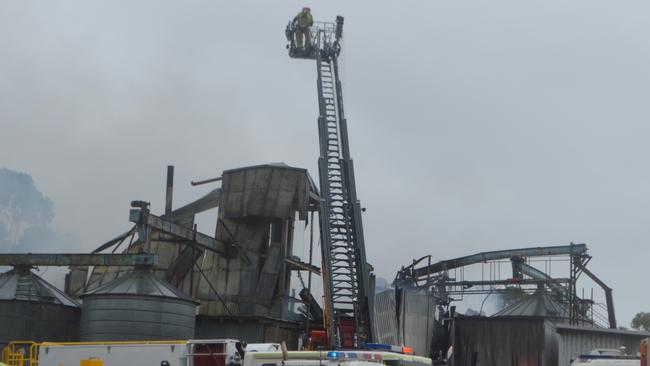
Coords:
539,304
140,282
23,285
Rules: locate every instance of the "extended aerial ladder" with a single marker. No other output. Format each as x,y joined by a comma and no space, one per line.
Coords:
345,271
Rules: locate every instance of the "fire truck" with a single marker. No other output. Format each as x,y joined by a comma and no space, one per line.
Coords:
219,352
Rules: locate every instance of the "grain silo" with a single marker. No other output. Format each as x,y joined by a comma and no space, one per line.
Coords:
137,306
33,309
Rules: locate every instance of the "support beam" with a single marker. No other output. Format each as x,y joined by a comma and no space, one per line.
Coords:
77,259
609,298
144,217
523,282
573,249
535,273
297,265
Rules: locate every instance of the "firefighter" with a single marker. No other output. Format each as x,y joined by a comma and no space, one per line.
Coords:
301,24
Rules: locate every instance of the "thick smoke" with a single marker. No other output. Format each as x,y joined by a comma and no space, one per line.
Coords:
25,217
498,301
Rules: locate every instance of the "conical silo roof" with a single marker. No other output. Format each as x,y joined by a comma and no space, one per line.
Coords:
21,284
538,304
137,306
142,283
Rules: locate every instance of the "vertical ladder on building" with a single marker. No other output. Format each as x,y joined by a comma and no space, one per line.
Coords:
345,271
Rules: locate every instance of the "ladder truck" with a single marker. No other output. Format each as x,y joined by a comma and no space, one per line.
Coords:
345,272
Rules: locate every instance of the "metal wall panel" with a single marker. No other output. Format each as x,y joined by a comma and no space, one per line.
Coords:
385,318
267,191
416,320
137,306
405,317
574,341
38,321
33,309
480,341
132,317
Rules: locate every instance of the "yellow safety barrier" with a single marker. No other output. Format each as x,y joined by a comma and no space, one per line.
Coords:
91,362
20,353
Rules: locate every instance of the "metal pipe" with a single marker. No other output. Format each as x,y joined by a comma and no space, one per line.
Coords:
63,260
170,189
198,183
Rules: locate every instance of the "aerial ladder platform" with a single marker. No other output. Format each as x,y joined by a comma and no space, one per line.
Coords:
345,270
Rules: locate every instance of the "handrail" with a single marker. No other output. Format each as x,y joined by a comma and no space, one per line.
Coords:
14,353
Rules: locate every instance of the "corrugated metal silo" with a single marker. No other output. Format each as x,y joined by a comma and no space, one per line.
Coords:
33,309
137,306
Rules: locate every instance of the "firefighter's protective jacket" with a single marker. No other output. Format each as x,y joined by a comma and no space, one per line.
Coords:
304,19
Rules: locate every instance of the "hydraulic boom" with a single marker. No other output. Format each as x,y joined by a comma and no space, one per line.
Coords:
345,271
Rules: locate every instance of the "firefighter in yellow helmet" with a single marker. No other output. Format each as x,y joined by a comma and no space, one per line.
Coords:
301,24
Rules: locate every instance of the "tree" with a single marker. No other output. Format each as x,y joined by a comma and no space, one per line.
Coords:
641,321
22,206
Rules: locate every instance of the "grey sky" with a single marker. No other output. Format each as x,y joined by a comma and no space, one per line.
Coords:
474,125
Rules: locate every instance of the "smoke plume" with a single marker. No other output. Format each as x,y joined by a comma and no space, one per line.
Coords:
25,217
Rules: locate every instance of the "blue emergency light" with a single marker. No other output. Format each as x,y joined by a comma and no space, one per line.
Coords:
333,354
389,348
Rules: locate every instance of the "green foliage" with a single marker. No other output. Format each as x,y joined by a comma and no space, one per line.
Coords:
641,321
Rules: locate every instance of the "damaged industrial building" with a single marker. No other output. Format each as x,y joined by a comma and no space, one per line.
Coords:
163,279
